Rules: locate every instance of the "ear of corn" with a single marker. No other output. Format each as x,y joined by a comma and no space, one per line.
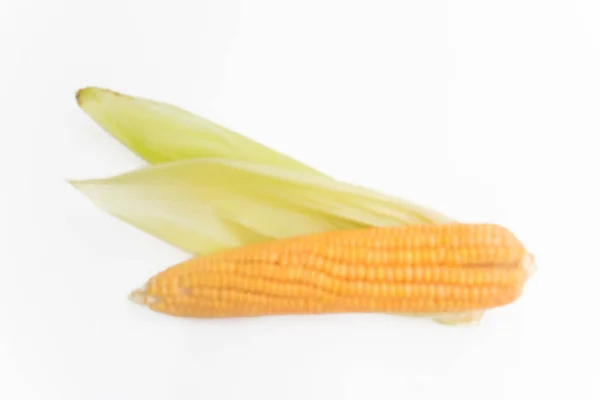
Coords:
190,211
160,132
209,205
445,269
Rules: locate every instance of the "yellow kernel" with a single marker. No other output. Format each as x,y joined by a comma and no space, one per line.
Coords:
439,291
385,289
419,274
343,269
389,274
360,287
361,272
375,290
408,274
371,274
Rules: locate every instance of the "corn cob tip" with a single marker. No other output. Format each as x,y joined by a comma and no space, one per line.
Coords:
529,264
140,296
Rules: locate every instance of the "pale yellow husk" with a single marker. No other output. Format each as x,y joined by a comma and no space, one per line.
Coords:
160,132
207,205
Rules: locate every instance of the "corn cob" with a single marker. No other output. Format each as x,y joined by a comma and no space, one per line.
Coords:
415,269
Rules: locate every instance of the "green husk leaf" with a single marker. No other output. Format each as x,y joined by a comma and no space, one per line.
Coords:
159,132
208,205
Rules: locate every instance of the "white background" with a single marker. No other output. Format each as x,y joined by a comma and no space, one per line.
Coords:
486,111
